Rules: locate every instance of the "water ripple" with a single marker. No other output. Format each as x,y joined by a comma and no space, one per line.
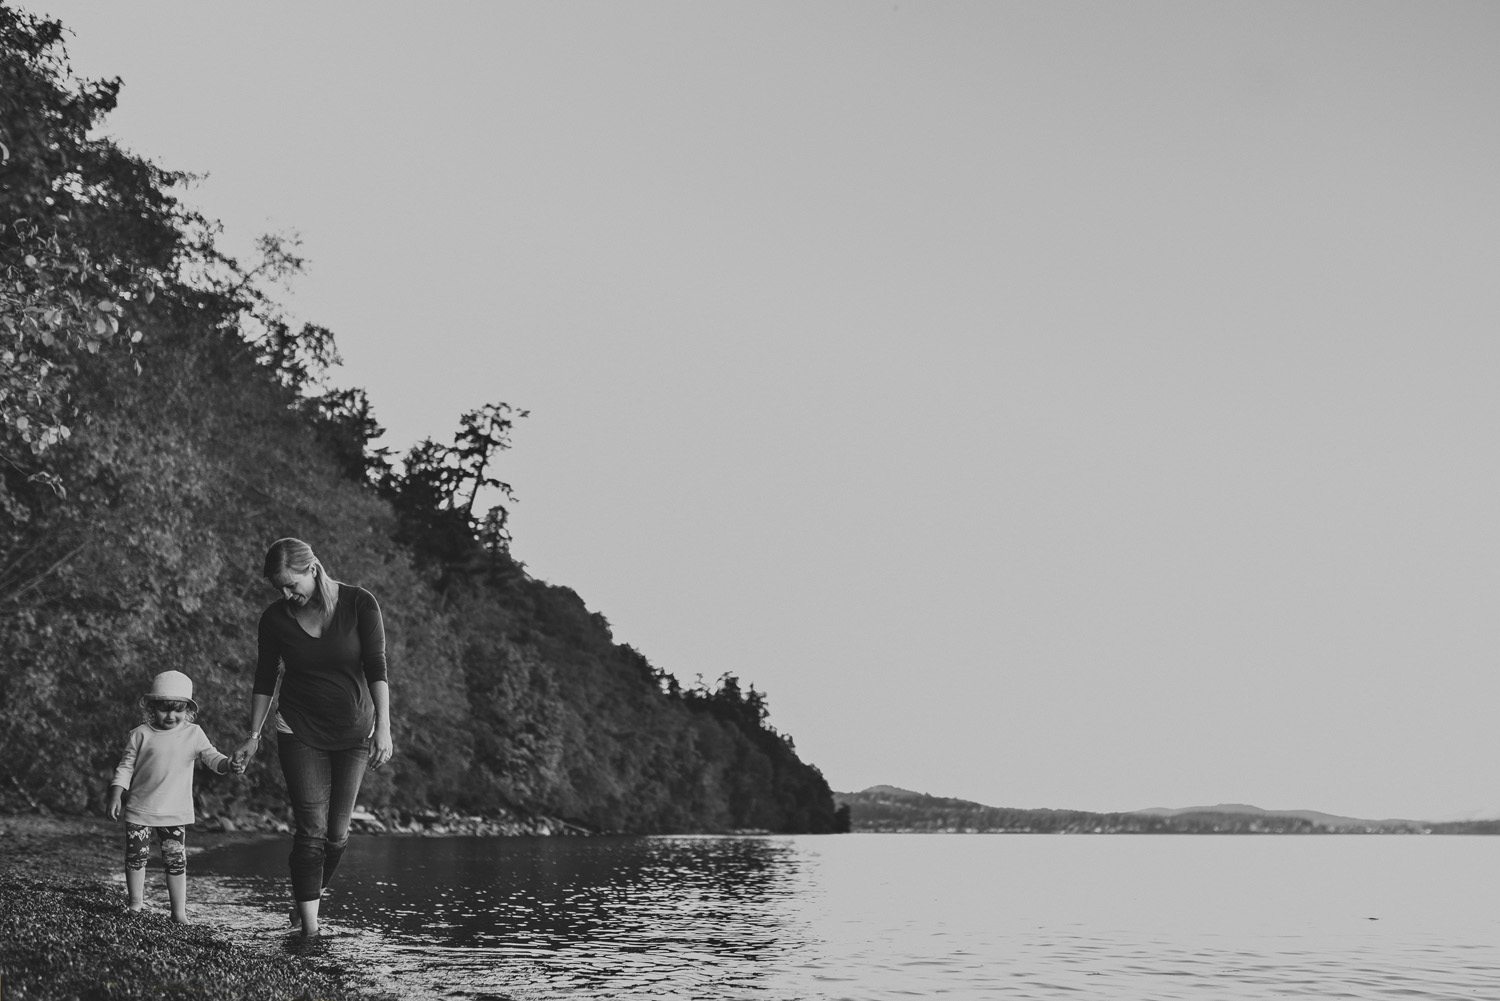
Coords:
874,919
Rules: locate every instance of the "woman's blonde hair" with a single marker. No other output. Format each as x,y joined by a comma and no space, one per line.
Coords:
298,557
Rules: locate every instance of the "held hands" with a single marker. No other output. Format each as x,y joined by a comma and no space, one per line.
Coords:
240,759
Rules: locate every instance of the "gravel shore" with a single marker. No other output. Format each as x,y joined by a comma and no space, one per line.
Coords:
65,934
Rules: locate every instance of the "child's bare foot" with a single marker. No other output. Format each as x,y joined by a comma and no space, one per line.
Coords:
135,908
180,919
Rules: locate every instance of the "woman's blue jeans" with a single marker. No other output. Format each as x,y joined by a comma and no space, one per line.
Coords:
322,787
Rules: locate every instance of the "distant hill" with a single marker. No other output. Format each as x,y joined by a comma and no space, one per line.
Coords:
890,809
1323,819
1489,813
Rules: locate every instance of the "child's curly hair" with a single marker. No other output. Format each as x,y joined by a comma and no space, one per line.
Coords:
148,706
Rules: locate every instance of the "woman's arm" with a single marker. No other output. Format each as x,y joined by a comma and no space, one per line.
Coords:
260,708
371,627
382,750
268,660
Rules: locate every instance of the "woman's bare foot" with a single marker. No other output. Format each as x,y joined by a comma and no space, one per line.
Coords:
305,916
296,915
299,929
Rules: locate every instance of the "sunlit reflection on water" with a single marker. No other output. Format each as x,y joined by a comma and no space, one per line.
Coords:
877,917
543,918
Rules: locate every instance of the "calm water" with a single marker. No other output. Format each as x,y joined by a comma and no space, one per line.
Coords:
873,917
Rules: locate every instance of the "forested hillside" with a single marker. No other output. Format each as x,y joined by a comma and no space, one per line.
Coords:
162,421
887,809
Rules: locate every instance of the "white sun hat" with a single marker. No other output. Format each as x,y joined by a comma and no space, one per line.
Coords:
173,686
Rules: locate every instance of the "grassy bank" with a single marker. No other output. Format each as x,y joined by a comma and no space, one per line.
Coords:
65,934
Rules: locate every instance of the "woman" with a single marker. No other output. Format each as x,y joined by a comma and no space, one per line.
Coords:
334,714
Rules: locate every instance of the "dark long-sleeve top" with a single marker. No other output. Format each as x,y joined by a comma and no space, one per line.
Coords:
325,693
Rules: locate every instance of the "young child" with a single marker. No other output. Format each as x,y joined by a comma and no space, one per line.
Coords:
157,769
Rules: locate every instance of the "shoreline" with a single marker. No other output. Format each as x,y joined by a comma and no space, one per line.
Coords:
440,823
66,935
65,932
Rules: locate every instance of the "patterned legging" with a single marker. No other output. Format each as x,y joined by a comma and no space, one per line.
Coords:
173,847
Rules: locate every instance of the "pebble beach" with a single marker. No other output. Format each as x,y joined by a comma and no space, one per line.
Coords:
65,934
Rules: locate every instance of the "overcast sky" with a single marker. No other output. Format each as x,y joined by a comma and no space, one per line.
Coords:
1048,404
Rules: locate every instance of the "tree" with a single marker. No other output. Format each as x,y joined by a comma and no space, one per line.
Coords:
438,486
482,435
86,232
346,421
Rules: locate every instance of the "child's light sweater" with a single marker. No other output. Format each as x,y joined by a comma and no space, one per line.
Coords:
157,768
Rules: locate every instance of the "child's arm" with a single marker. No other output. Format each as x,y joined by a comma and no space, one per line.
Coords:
123,771
115,795
213,759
